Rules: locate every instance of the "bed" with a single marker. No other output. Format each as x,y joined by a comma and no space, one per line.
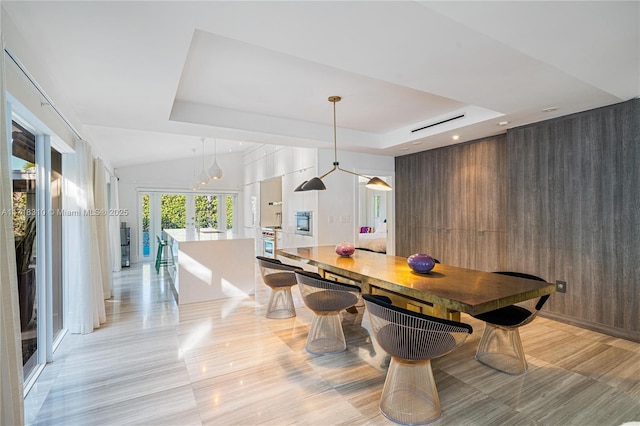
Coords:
373,241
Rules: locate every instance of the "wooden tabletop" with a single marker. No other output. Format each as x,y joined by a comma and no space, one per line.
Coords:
456,289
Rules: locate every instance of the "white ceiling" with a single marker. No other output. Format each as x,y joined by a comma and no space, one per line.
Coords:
146,80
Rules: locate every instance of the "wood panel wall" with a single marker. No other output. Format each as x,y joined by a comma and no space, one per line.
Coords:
451,203
559,199
574,211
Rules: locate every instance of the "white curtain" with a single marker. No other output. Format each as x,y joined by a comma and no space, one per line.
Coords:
102,225
11,388
85,301
114,227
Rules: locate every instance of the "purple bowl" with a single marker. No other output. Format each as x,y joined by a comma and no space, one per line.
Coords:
421,263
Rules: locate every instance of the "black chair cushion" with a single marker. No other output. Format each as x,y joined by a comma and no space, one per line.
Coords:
330,301
509,316
280,279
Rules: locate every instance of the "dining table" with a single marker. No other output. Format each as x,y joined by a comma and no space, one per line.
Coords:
447,290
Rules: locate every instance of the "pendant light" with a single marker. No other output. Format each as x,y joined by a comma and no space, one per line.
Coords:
196,184
203,179
316,184
215,172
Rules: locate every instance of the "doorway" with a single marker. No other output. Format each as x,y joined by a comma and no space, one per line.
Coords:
375,218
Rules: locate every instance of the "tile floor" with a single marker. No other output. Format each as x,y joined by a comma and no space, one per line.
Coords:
224,363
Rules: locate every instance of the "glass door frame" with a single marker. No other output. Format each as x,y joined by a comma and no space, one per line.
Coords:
44,290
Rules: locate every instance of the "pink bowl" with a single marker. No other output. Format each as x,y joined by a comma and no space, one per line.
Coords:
345,249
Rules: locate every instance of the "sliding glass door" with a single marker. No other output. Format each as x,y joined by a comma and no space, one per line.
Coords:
25,229
36,172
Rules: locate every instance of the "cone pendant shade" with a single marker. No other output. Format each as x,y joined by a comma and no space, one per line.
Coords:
314,184
299,187
215,172
378,184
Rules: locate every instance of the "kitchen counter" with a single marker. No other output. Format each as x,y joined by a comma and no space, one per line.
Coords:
210,265
184,235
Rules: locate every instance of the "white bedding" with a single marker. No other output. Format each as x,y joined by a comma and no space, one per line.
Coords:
376,241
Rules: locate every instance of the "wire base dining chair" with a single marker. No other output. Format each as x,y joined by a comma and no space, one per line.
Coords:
326,299
409,395
500,346
279,277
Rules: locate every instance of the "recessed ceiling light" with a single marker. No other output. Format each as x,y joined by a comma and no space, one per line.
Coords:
549,109
417,142
404,149
503,123
455,137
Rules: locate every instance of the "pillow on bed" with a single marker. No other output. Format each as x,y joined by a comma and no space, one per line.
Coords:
382,228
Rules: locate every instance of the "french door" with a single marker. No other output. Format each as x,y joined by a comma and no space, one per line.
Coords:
182,210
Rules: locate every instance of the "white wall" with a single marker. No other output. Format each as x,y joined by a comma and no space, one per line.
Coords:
175,176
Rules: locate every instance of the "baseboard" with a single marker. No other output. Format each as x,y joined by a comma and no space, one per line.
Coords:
634,336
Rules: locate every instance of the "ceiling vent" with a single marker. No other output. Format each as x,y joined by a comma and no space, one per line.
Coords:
439,122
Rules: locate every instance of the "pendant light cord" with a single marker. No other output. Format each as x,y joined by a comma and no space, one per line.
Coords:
203,155
335,143
334,99
336,164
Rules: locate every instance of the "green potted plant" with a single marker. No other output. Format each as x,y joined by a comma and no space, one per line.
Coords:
24,241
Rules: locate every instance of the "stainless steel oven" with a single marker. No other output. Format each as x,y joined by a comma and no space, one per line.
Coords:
269,247
304,223
269,241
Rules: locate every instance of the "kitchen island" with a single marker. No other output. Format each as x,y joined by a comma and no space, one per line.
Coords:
208,264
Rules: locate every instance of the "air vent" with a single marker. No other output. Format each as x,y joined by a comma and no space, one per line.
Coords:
438,123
